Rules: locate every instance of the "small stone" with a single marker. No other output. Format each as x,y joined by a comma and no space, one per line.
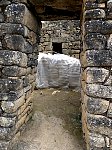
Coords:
109,81
107,142
1,18
109,113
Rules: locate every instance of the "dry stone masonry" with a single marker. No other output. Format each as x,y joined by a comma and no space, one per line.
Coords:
66,32
96,60
19,36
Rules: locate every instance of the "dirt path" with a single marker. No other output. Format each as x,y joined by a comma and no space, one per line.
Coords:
56,122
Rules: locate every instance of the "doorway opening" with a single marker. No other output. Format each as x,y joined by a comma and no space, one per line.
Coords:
57,48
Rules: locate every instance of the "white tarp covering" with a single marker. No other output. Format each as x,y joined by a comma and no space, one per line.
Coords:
58,70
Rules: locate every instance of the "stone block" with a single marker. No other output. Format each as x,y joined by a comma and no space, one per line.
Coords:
95,41
11,95
32,38
109,4
20,1
98,26
95,75
25,81
1,17
18,13
27,88
21,122
27,94
96,58
4,2
12,106
99,124
7,85
100,91
13,58
110,144
109,42
109,113
28,70
32,78
94,13
96,105
107,141
14,42
109,7
90,5
14,71
7,122
96,141
108,82
29,117
4,145
6,133
28,49
8,28
75,45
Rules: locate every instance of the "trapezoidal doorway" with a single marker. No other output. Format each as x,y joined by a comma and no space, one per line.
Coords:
57,48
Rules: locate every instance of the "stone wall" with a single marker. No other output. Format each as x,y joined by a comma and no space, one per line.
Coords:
96,60
19,37
66,32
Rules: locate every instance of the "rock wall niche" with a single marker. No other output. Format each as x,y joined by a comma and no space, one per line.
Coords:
19,37
96,60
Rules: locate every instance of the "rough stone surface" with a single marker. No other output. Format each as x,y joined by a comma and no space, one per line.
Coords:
19,37
95,75
64,32
95,41
96,106
96,140
96,61
100,124
110,111
13,58
95,13
18,13
100,91
97,58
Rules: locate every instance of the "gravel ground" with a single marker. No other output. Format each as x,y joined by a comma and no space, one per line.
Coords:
56,123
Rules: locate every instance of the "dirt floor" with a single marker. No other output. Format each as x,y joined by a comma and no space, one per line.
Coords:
56,124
